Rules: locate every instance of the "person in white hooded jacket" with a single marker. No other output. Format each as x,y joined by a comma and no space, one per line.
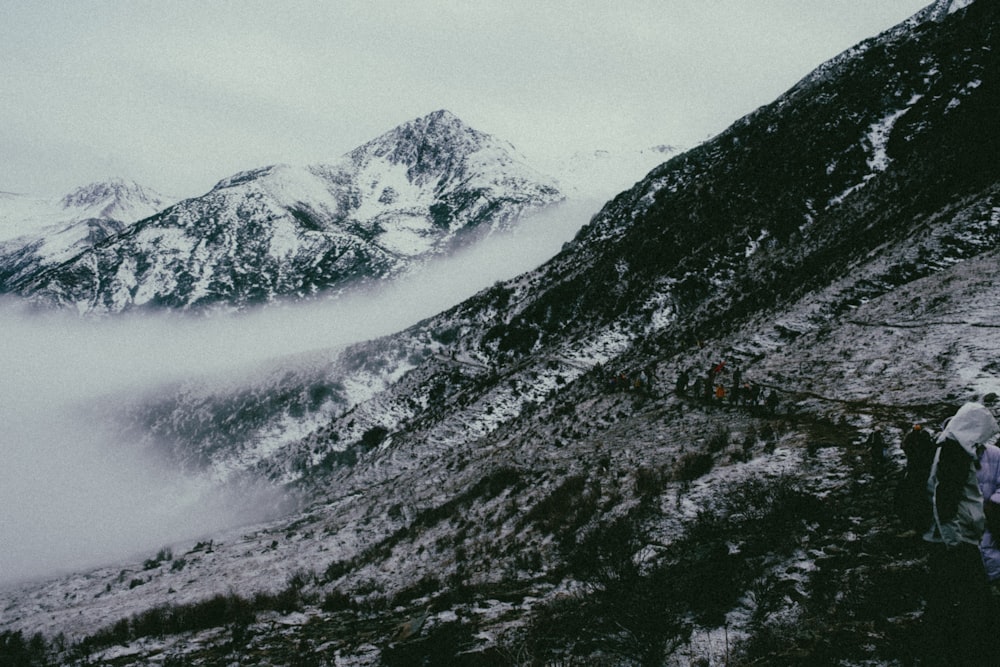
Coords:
956,499
959,614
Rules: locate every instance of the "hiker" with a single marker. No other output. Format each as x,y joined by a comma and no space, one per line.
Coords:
698,388
959,623
734,394
720,393
682,383
876,448
771,402
642,381
919,447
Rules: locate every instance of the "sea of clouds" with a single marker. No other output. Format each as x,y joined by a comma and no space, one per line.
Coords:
72,495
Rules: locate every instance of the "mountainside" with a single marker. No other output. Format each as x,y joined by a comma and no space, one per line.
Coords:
421,189
477,490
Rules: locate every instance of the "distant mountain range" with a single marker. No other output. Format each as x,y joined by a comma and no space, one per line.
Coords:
418,191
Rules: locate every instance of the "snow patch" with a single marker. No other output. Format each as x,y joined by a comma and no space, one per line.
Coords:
876,141
753,245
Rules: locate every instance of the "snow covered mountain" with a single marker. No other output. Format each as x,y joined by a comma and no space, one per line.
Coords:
39,233
476,489
114,199
418,191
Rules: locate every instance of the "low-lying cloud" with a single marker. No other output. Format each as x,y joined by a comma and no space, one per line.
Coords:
72,495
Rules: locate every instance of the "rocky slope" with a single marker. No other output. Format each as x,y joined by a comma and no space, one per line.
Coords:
280,231
477,491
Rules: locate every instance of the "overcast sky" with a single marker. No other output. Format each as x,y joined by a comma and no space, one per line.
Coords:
180,94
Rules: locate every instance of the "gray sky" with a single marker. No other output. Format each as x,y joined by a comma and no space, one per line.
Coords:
180,94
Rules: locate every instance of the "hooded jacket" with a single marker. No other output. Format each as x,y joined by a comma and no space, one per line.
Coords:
988,476
956,499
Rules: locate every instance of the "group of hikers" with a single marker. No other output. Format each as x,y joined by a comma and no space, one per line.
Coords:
622,381
950,497
716,386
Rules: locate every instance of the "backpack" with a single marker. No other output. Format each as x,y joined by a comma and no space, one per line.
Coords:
952,473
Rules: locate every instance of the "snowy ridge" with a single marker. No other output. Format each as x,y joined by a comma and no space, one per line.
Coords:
115,199
285,231
943,8
37,233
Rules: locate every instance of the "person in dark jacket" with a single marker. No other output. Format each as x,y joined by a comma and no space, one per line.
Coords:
771,402
876,449
919,447
682,382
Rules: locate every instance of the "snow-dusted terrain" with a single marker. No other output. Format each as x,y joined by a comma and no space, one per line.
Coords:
515,479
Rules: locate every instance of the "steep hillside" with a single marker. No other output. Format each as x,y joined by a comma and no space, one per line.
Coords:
477,490
280,231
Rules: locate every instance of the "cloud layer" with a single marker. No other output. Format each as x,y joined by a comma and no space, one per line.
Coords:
72,494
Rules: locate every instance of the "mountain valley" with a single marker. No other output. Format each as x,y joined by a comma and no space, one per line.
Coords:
518,479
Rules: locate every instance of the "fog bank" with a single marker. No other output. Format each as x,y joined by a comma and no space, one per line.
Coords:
72,496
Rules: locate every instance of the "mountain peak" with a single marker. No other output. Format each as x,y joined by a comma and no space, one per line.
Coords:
427,145
116,197
442,115
113,186
418,191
